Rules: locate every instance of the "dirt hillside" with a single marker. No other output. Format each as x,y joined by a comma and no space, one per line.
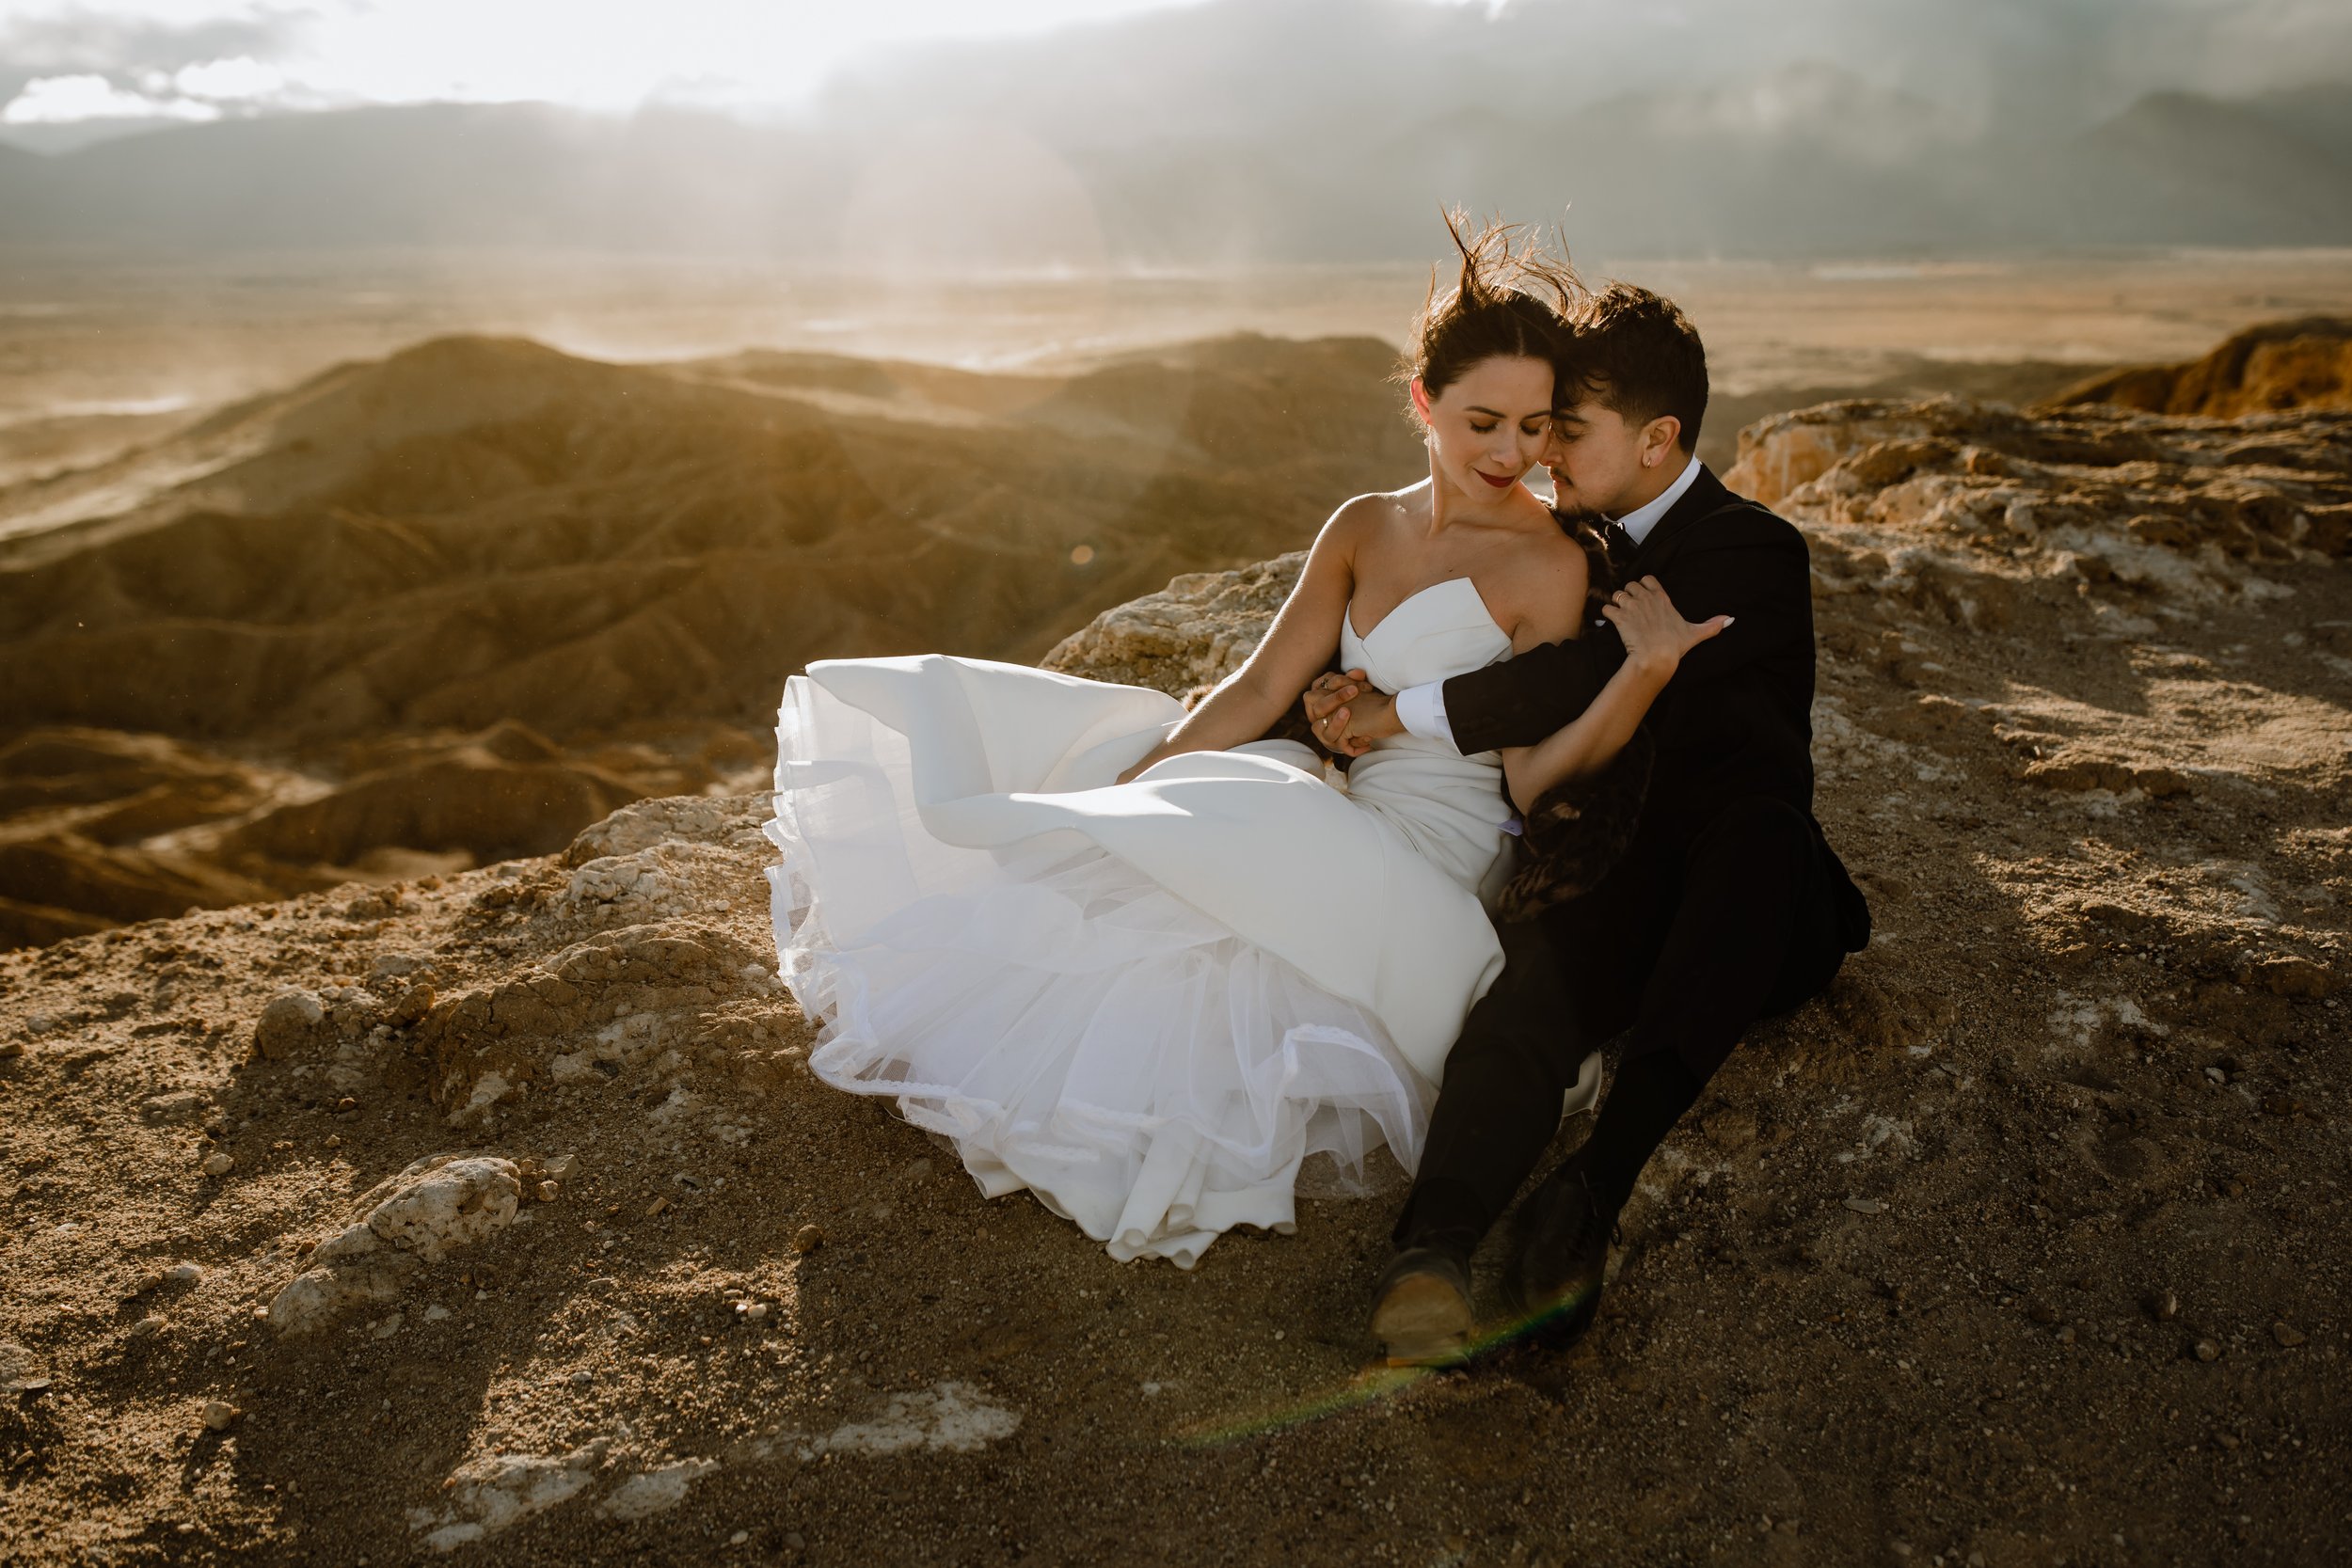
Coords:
460,602
493,1215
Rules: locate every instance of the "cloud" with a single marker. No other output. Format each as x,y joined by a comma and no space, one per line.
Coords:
612,55
1148,68
55,100
117,39
243,77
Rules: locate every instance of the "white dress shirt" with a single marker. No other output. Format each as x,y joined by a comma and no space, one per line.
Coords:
1421,708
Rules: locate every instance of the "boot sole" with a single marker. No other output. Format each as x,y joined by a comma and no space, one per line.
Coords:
1422,1322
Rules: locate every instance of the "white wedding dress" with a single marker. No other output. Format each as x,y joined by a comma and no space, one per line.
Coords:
1146,1002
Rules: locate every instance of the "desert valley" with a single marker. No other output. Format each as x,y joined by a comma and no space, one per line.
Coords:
412,1150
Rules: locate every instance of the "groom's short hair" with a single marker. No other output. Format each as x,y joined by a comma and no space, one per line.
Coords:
1635,352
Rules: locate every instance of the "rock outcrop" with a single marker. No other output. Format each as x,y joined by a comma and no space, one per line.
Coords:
432,1208
2142,617
2266,369
1188,636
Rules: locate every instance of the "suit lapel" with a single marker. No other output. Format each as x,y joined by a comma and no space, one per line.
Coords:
1706,496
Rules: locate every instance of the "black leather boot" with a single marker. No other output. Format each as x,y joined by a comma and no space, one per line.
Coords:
1559,1254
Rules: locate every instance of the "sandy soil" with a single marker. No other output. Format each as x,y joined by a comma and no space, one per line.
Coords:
2025,1245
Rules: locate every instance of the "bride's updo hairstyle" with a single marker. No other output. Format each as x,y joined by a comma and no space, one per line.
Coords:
1509,301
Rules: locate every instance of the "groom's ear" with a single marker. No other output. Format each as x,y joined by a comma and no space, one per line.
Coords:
1659,438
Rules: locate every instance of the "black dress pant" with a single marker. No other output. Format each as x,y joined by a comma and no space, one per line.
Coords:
1686,948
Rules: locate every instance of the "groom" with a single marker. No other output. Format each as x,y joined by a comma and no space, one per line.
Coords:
1727,906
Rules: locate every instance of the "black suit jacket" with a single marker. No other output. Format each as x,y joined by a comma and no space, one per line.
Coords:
1736,721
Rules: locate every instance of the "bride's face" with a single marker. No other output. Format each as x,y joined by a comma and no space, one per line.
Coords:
1486,426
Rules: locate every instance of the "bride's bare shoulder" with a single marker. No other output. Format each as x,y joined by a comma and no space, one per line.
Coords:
1547,588
1366,516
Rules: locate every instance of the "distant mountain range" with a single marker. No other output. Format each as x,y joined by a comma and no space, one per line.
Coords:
1810,160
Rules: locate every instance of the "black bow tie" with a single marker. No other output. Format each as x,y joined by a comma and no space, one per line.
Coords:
1618,542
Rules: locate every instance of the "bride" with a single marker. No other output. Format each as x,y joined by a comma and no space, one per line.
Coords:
1143,964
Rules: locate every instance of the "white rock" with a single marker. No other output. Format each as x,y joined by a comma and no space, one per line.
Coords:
316,1298
435,1206
356,1241
952,1416
390,964
173,1106
656,1490
288,1024
488,1090
487,1494
680,1102
436,1312
449,1205
185,1274
572,1066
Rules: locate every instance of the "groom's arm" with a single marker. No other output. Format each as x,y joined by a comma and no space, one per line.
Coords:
1751,568
1521,701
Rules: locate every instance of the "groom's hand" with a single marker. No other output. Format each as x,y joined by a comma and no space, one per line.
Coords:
1348,713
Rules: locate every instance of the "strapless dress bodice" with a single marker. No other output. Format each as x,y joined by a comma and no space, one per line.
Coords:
1450,807
1442,631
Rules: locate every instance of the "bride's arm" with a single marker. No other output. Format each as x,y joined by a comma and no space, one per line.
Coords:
1295,649
1656,638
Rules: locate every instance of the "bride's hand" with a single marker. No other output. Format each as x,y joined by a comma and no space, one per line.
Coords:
1654,632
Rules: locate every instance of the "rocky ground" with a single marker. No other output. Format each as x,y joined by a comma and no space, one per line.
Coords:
494,1212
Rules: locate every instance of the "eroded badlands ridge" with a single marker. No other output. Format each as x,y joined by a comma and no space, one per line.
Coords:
454,604
2031,1236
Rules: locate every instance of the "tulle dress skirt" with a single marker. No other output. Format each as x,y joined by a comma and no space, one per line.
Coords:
1150,1005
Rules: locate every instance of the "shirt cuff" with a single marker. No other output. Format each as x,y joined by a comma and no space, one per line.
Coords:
1422,710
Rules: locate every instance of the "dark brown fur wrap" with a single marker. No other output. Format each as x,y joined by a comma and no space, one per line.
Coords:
1578,832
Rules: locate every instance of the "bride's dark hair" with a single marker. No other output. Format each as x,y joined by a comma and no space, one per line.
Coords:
1510,300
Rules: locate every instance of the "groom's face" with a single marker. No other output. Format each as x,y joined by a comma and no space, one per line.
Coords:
1595,455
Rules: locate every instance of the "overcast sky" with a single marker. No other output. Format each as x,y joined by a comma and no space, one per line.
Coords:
196,59
67,60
